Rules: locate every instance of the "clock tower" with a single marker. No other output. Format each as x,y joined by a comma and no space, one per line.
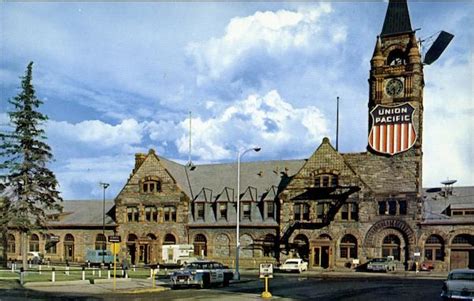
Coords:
396,90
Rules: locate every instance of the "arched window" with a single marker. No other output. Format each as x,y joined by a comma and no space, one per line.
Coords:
246,246
434,248
169,239
269,245
391,246
348,248
200,245
69,247
11,245
463,239
100,242
34,243
396,57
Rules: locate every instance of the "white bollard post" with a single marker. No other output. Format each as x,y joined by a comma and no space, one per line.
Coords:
122,272
83,273
53,275
100,273
13,267
108,274
39,269
67,270
134,268
151,273
93,271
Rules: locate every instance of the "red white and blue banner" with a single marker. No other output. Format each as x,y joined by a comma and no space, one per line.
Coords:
392,130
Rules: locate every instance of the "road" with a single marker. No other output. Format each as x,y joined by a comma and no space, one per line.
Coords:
282,287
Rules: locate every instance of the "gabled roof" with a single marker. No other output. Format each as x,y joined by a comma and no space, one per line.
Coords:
84,213
397,18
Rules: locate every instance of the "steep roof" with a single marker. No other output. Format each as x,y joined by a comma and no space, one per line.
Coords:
84,213
397,18
437,201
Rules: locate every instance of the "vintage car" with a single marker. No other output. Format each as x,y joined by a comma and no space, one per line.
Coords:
459,285
294,265
202,273
385,264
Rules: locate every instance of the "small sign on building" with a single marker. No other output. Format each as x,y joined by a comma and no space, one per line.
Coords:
417,254
266,270
54,238
114,238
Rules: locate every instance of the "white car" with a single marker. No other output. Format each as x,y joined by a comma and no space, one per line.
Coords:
459,285
294,265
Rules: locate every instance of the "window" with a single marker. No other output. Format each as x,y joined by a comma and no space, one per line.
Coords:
434,248
350,212
169,239
199,210
270,209
34,243
132,214
151,186
11,246
223,210
301,211
396,58
246,210
200,245
326,180
169,213
392,207
151,214
391,246
100,242
348,248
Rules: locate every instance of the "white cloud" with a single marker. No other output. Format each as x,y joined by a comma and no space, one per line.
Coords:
448,124
268,121
98,134
271,35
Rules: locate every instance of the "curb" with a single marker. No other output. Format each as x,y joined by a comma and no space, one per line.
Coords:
57,283
145,290
111,280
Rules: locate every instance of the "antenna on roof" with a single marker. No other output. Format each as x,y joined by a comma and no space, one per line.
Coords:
448,186
190,164
437,47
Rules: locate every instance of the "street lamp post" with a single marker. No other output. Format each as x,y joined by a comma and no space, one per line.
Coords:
104,187
237,249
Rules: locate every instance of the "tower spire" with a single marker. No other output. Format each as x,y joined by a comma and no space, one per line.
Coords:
397,18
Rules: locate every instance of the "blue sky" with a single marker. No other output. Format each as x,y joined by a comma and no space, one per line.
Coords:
120,78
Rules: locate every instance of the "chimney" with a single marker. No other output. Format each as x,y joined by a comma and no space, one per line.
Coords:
139,158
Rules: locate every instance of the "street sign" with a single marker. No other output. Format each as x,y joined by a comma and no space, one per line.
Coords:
114,238
266,270
115,248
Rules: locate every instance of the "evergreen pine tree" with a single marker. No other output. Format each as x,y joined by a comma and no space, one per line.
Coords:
30,188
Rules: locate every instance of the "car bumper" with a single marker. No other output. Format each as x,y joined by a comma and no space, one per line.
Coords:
456,296
185,281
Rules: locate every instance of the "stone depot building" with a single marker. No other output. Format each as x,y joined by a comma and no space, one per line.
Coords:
332,209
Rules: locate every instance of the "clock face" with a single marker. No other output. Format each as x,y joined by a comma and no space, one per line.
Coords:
394,87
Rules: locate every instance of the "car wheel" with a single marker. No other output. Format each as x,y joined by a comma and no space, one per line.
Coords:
205,281
225,283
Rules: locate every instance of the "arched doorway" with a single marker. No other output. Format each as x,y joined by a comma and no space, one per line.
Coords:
322,251
391,246
150,249
132,248
69,247
434,248
269,245
169,239
200,245
168,254
462,252
348,247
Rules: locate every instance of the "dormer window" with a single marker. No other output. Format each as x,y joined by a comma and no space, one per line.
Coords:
223,210
150,185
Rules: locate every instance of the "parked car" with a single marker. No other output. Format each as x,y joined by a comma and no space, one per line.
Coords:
385,264
294,265
459,285
35,257
202,273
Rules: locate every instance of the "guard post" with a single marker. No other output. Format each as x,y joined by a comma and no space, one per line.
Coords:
266,271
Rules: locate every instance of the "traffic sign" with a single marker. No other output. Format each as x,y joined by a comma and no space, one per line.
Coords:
115,248
266,270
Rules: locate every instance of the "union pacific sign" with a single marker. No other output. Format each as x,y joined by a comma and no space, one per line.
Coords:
392,130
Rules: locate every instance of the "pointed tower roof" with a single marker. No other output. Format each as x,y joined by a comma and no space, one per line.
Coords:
397,19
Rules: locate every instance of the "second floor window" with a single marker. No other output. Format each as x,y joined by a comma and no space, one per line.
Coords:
270,210
350,212
392,207
301,211
326,180
151,214
132,214
169,213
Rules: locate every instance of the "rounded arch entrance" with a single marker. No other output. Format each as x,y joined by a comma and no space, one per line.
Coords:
390,237
301,243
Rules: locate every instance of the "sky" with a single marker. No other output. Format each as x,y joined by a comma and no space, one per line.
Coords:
118,78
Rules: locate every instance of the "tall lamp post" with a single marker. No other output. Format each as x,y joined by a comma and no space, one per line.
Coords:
104,187
237,249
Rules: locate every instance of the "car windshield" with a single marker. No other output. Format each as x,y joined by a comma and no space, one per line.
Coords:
461,276
292,262
198,265
379,260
